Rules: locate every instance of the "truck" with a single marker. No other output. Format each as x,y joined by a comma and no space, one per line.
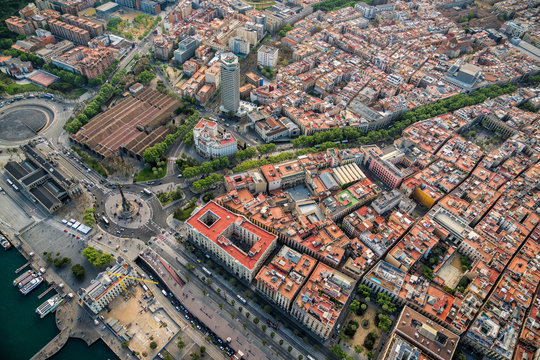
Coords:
147,192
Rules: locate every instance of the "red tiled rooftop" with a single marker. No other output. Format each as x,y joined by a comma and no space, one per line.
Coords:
225,219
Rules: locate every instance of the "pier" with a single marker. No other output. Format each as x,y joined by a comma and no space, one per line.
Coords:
22,267
47,291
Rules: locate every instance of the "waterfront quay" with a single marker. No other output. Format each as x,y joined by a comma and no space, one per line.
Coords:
70,317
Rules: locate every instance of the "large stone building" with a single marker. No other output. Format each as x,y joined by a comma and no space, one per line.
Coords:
106,287
230,83
85,61
212,141
231,239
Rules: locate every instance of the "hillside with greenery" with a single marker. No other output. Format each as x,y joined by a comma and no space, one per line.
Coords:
8,8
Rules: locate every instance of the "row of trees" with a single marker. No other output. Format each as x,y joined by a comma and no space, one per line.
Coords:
88,217
283,32
266,148
206,167
330,5
154,153
251,164
245,154
205,183
451,104
91,109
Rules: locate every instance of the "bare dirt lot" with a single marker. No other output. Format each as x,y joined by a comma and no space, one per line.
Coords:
144,325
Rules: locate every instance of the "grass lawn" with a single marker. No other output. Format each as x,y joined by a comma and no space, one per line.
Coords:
184,214
168,197
148,174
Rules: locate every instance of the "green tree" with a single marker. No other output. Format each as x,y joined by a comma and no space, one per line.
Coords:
78,271
97,257
145,77
355,305
338,351
153,345
181,344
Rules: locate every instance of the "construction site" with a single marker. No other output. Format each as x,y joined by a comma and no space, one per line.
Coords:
137,319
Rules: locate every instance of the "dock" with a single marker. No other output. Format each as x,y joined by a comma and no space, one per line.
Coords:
47,291
72,320
22,267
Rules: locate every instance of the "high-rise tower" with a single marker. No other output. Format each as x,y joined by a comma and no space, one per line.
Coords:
230,82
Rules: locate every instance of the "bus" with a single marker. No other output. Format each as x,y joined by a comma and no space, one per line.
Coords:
206,271
105,221
147,192
241,299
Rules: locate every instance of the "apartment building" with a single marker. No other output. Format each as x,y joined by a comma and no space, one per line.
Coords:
284,276
162,47
267,56
236,242
69,32
239,45
85,61
93,28
20,26
320,304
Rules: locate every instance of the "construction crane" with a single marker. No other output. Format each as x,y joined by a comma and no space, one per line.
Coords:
122,276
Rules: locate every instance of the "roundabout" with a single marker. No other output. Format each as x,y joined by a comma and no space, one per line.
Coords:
24,121
127,210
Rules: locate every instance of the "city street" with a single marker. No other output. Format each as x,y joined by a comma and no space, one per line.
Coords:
165,249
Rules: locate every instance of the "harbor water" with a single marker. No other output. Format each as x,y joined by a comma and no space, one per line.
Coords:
22,332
